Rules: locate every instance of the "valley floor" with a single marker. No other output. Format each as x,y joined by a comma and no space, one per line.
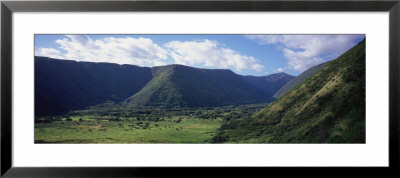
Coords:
188,130
142,126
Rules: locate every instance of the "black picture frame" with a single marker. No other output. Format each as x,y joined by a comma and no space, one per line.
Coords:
8,7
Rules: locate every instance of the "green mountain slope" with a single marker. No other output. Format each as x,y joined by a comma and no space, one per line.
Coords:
328,106
292,83
181,86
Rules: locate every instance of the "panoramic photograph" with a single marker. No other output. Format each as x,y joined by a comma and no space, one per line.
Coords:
199,88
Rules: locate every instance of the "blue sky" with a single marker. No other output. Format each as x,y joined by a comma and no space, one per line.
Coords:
244,54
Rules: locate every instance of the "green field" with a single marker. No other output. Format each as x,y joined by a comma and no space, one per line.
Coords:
188,130
141,126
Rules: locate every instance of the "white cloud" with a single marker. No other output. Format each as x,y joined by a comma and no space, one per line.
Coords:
127,50
145,52
49,52
280,69
305,51
210,54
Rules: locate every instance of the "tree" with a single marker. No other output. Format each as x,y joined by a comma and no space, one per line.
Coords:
68,119
147,125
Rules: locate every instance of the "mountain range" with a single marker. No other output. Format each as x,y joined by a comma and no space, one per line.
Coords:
65,85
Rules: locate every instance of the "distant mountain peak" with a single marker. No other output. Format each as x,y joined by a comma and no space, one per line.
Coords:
280,73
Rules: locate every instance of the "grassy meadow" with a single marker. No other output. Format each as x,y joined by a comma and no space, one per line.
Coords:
141,126
188,130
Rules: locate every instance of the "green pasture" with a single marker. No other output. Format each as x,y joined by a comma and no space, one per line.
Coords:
88,129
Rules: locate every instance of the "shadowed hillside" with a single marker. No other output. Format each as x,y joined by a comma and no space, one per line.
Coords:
64,85
270,83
